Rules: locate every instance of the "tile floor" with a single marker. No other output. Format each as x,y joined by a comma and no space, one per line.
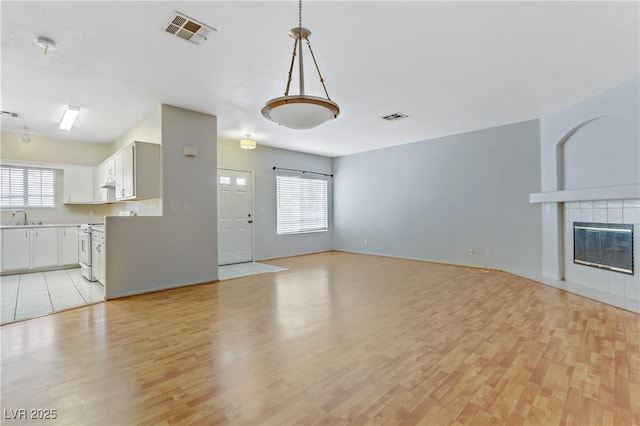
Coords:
30,295
228,272
38,293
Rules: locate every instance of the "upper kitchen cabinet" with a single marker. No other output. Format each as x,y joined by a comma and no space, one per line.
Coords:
104,178
138,172
77,184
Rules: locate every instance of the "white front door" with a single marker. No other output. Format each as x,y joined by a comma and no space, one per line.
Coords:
235,216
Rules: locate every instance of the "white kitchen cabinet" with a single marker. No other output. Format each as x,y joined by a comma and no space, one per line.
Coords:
38,248
98,256
45,247
68,245
16,249
138,171
125,172
77,184
105,174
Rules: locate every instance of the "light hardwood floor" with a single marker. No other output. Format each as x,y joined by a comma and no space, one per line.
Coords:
337,339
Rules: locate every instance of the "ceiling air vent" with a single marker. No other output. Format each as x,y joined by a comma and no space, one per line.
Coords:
395,116
189,29
11,114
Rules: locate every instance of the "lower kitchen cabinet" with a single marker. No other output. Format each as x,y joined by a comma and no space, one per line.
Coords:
45,247
98,256
16,249
68,247
39,248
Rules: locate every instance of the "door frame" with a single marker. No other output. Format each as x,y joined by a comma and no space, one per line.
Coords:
253,213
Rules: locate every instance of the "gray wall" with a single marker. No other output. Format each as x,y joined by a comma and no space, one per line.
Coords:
260,161
435,199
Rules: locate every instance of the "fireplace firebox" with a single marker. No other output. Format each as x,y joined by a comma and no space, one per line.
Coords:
604,246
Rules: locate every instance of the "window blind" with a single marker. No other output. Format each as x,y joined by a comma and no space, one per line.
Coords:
301,205
27,187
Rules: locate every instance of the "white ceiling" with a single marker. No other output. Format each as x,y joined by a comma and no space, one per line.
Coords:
452,67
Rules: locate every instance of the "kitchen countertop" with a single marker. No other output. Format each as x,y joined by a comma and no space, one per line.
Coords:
46,225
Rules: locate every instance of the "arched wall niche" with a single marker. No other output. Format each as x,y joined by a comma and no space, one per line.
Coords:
598,152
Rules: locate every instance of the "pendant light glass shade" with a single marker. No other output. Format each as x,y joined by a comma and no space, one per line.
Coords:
301,111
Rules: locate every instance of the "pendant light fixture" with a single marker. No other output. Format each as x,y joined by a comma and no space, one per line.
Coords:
301,111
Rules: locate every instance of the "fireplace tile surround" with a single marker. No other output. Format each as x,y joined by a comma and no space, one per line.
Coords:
610,283
559,210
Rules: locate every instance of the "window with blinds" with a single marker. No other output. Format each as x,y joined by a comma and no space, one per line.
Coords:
301,205
27,187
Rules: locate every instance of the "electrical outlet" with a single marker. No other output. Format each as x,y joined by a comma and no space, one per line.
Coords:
487,253
174,207
470,251
187,207
365,243
91,212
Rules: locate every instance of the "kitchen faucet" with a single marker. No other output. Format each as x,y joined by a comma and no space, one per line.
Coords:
25,215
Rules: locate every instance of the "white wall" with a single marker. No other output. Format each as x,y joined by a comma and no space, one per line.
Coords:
44,149
434,199
54,153
178,248
148,129
260,161
603,152
61,213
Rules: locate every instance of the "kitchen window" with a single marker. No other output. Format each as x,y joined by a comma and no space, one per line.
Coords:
301,205
26,187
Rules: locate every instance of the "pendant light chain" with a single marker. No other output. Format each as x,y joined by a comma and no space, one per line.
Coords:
318,69
312,56
293,59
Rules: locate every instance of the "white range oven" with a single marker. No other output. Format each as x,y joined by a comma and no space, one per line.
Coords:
84,251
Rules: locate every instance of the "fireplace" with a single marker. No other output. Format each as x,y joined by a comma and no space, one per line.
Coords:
604,246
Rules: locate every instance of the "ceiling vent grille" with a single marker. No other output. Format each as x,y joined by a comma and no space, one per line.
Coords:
188,29
11,114
395,116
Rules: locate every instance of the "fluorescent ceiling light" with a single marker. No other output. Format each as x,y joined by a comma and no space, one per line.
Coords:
69,117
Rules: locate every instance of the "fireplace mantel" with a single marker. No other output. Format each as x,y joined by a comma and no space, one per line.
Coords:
622,192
